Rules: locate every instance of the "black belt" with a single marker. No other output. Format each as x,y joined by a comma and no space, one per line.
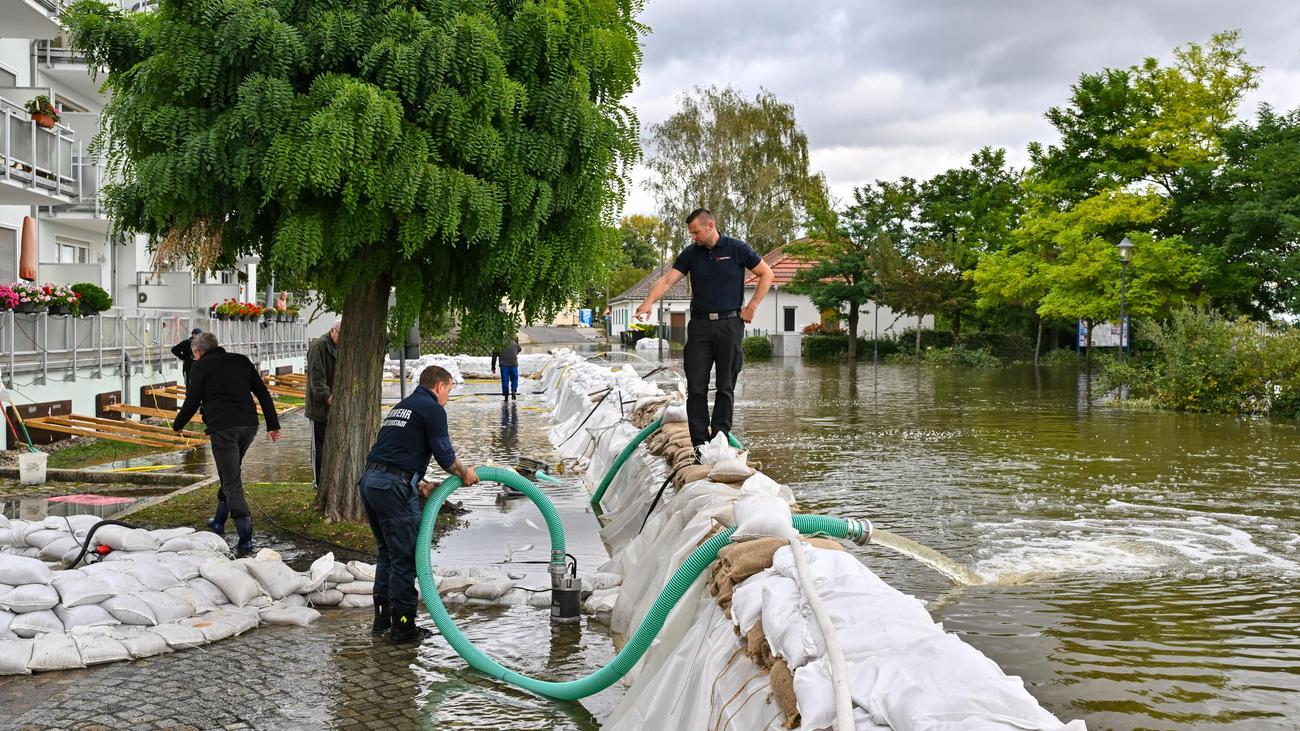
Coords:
406,475
715,315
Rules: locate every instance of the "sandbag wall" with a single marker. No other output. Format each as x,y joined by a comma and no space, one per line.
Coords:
741,649
461,366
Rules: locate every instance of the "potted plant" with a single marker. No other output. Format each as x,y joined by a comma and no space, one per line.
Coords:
61,299
91,299
43,112
31,298
8,298
291,314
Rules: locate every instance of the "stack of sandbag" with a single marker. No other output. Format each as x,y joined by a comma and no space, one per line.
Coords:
393,368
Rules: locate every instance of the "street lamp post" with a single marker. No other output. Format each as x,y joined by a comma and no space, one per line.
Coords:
875,329
1125,253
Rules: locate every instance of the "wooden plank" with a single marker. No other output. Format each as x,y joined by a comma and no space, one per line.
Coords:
145,411
130,428
83,432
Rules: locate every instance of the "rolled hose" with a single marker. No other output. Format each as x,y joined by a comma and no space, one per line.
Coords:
628,449
644,635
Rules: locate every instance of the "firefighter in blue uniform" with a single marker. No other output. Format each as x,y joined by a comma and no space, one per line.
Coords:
393,486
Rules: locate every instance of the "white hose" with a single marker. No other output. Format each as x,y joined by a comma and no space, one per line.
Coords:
834,653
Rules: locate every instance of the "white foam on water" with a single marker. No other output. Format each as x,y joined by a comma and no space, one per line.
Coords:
1188,542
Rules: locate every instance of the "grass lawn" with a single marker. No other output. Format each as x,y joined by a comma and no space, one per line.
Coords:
98,452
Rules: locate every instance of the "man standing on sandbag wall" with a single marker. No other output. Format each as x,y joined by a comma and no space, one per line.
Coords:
222,386
321,358
392,487
716,265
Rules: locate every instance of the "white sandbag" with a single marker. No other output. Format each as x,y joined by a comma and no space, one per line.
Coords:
512,598
182,567
448,584
489,590
539,599
197,602
201,557
6,618
294,600
121,538
182,635
97,648
602,580
674,414
318,573
165,607
76,589
276,578
717,449
601,601
43,537
287,615
327,598
17,570
760,516
75,524
162,535
130,609
56,550
208,591
260,601
88,616
15,657
357,587
4,522
242,619
213,630
154,576
115,581
731,470
28,552
236,584
15,534
139,641
29,598
357,601
36,623
268,554
361,571
55,651
339,574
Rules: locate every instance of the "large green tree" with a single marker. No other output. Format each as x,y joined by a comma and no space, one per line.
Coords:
646,240
458,153
744,159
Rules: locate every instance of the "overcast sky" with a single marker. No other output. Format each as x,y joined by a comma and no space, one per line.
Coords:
885,88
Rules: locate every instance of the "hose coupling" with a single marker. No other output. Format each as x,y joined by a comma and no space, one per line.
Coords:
860,530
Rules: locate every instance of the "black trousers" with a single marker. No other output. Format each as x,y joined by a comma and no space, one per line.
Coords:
228,448
317,449
712,345
393,509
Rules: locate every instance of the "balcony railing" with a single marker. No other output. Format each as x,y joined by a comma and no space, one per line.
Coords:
49,53
35,157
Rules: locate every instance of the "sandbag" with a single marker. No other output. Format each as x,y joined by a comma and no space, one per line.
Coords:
75,524
212,630
29,598
287,615
242,619
339,574
318,573
6,618
165,607
294,600
675,414
97,648
181,635
276,578
179,566
490,590
236,584
730,471
259,602
139,641
33,624
16,570
162,535
154,576
601,601
43,537
762,515
357,601
208,591
196,601
15,657
204,541
89,616
449,584
55,651
77,589
115,581
130,609
783,693
357,587
56,550
361,571
602,580
121,538
327,598
691,473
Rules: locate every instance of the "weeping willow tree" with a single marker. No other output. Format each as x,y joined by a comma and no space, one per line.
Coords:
460,153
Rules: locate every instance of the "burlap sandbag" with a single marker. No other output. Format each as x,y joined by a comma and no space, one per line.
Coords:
757,648
676,430
689,474
739,561
783,693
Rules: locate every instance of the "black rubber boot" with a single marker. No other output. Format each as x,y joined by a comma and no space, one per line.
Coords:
217,523
405,629
383,616
245,528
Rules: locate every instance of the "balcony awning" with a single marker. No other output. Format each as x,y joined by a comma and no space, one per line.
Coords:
27,251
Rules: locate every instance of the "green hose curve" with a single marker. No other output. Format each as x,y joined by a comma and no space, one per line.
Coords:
628,449
644,635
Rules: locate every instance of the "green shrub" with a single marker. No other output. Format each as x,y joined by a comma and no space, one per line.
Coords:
825,346
1007,346
1061,357
93,298
757,346
961,357
929,339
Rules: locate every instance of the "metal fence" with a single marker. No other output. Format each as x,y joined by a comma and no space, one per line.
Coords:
44,348
34,156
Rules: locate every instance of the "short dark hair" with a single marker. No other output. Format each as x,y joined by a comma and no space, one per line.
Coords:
196,331
708,215
434,376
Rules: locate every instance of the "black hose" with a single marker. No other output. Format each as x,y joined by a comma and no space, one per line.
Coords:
584,421
85,546
658,495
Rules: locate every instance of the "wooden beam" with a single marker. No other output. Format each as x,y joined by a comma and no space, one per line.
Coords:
61,425
144,411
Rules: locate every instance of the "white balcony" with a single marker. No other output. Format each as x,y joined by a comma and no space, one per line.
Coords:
68,67
29,18
37,162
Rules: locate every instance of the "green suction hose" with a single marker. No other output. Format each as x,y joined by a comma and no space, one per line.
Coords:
640,641
631,446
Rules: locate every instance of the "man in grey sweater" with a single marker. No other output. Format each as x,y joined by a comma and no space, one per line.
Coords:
321,359
509,358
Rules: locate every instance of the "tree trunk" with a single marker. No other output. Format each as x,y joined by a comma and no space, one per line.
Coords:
956,327
354,413
853,332
1038,344
919,319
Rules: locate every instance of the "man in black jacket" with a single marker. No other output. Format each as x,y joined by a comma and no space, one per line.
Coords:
223,385
321,359
183,351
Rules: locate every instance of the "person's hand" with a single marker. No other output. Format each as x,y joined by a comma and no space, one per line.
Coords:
274,435
494,371
642,313
426,489
470,478
747,314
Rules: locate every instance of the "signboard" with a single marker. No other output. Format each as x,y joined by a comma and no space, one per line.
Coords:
584,317
1104,335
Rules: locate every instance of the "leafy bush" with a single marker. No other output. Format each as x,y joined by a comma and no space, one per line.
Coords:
961,357
825,346
92,298
1061,357
757,346
1007,346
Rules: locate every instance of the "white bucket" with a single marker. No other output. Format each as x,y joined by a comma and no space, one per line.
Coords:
31,468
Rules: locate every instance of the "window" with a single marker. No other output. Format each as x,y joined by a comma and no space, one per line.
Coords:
788,325
8,254
71,251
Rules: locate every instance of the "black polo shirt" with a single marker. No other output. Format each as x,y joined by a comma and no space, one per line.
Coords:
414,431
717,274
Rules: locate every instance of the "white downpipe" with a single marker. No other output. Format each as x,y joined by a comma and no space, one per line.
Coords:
834,653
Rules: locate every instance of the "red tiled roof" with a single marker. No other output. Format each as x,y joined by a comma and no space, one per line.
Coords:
680,292
783,265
